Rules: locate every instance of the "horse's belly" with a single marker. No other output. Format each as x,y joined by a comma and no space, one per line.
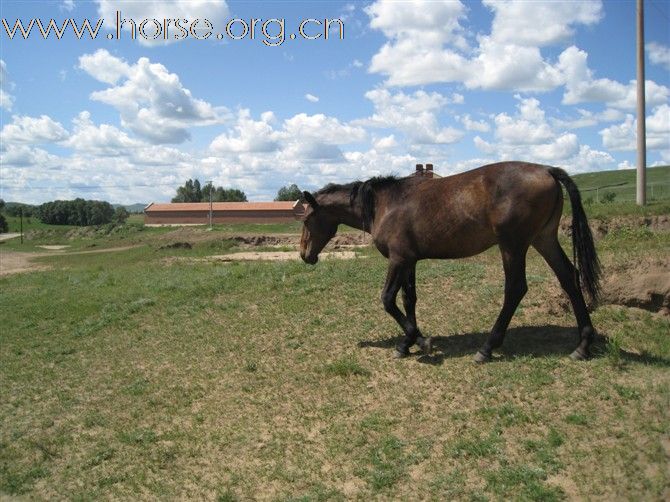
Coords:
459,244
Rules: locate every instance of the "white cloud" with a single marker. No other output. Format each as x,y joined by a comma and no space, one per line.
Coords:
581,86
102,66
32,130
426,21
22,155
311,98
588,119
6,99
623,136
413,114
417,32
527,128
152,102
385,143
510,67
620,137
563,147
659,54
427,43
248,136
540,23
67,5
261,155
215,11
528,135
103,139
319,127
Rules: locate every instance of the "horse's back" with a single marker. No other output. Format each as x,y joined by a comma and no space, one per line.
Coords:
465,214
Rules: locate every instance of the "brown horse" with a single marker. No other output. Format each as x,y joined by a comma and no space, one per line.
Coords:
512,204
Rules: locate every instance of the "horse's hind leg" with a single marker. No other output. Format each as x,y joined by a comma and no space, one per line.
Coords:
514,263
550,249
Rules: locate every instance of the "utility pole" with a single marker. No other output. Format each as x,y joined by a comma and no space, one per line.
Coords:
641,192
211,187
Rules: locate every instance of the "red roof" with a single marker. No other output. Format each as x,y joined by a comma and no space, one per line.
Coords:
223,206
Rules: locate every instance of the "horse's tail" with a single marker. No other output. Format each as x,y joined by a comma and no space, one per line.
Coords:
583,248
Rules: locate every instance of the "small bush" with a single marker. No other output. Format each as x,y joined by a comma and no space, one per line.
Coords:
609,197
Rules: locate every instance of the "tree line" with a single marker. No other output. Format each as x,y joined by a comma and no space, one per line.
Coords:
82,212
193,191
78,212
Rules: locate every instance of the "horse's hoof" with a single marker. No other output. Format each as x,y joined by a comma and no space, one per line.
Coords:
481,358
425,344
578,355
400,354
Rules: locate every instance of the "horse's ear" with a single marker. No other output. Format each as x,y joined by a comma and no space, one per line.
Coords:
310,200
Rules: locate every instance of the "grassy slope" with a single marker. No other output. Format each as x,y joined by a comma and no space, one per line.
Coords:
622,184
133,375
624,178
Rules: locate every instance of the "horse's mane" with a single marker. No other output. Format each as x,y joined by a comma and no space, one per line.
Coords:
363,192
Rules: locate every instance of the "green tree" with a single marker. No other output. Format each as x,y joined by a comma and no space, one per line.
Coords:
190,192
15,208
193,192
76,212
3,224
120,215
197,191
289,192
233,195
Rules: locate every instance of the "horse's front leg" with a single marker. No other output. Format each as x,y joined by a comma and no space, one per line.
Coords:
396,277
409,302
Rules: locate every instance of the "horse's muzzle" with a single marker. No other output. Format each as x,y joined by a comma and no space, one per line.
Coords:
310,260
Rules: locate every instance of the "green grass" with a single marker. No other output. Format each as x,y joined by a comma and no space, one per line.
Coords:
622,182
147,374
619,186
30,223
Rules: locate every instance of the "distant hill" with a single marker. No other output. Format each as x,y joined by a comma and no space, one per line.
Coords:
132,208
622,183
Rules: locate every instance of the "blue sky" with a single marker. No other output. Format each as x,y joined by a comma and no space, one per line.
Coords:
458,84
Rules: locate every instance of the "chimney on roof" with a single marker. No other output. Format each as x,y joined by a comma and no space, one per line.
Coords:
429,170
419,170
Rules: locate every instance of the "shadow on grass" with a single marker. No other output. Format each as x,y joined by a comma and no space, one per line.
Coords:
532,341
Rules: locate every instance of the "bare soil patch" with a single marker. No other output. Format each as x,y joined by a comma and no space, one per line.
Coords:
55,247
14,262
645,285
182,236
279,256
259,256
600,228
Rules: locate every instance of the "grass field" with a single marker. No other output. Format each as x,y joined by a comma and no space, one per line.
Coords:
622,183
147,374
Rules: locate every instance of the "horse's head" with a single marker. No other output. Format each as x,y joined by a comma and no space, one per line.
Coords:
317,230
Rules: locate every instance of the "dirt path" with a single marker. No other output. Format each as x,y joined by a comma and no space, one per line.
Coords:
6,237
279,256
14,262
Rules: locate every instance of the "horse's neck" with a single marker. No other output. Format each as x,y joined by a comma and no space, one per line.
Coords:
347,216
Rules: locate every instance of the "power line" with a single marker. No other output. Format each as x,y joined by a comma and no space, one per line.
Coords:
85,187
660,11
